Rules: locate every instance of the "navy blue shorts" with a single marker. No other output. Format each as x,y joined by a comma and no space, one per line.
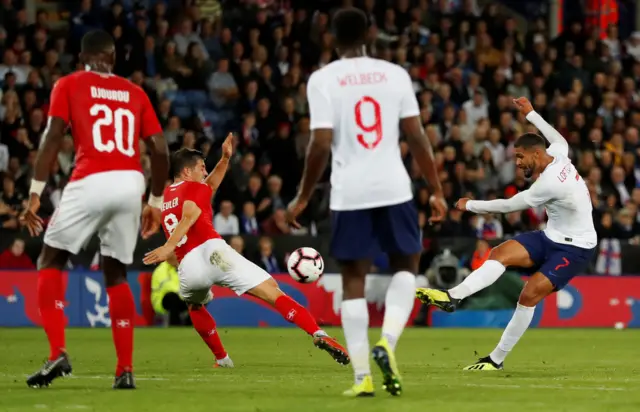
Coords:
557,261
363,234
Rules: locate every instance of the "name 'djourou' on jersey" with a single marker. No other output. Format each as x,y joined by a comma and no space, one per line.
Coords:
362,79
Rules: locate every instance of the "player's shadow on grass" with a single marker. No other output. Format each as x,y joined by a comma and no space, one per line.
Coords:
520,374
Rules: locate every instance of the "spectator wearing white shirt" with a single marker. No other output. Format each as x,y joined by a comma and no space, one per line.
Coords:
10,64
498,151
225,222
477,108
187,36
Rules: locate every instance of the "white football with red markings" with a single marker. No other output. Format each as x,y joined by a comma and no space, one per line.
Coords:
305,265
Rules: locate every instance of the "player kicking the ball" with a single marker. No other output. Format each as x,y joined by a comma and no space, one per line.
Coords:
107,115
207,260
357,105
560,252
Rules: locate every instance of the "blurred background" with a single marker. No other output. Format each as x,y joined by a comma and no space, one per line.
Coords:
216,66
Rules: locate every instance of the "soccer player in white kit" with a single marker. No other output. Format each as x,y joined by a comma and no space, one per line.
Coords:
557,254
357,105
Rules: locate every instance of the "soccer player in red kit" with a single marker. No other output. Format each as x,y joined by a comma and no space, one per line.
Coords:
207,260
107,115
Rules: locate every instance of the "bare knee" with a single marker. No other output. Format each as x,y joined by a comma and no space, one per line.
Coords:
52,258
532,295
499,254
268,291
511,253
408,263
353,274
115,272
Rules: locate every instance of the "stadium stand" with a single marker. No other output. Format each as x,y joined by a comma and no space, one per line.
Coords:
212,66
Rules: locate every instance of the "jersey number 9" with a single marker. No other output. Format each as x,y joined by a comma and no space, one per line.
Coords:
374,127
170,223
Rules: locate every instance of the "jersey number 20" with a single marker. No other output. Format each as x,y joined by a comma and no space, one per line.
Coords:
374,128
115,118
170,223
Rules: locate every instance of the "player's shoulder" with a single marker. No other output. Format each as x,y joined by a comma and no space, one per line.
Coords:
125,84
187,186
64,81
334,72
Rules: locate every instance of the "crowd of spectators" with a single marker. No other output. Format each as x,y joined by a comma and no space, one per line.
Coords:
211,67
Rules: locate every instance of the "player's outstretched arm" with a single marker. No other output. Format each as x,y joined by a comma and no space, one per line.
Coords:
515,203
216,176
556,140
190,213
422,152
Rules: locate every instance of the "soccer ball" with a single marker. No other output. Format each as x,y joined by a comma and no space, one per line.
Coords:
305,265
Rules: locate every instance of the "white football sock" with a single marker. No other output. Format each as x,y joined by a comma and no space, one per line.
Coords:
513,332
355,324
398,306
479,279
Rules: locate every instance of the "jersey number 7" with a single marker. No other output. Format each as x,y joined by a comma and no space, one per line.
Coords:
374,128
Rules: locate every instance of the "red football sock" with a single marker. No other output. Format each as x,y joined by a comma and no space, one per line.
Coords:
122,310
51,304
296,313
205,325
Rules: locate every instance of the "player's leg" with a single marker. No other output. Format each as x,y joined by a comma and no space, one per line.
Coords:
563,264
242,276
122,310
51,297
353,245
118,238
537,288
398,233
204,323
525,251
196,280
269,291
69,229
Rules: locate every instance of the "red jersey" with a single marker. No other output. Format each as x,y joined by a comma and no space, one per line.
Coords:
201,231
108,115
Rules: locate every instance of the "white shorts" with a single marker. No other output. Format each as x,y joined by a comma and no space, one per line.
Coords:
216,263
108,204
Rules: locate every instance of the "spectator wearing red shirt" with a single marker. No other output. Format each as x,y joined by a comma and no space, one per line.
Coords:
15,258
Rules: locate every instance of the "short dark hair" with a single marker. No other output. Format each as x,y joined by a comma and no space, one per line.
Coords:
350,27
185,158
530,140
96,42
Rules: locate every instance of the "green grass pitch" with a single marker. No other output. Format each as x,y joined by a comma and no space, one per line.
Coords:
280,370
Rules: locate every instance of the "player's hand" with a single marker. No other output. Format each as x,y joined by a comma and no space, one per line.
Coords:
151,220
438,208
462,204
524,105
158,255
227,146
29,216
295,209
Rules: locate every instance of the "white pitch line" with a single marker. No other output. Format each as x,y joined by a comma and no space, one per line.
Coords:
208,378
515,386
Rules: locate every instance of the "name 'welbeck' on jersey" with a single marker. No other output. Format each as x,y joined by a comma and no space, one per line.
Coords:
361,79
114,95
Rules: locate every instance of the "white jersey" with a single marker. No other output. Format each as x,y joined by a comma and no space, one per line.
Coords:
566,199
561,190
363,99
